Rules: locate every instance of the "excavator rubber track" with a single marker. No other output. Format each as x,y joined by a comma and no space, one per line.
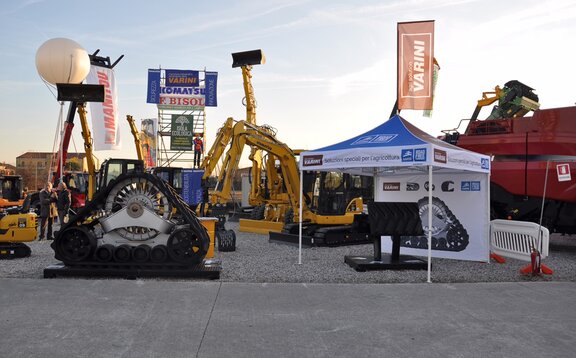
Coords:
14,250
107,234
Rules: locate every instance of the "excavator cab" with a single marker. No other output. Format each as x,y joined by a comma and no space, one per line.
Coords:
334,193
10,190
113,168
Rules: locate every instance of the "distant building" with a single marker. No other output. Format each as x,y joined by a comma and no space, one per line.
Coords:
7,169
34,167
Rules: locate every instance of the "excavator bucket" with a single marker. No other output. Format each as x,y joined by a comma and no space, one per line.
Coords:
254,57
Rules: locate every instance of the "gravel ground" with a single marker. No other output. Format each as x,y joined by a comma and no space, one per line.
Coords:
257,260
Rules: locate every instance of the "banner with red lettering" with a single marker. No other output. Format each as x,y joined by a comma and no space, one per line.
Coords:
105,123
415,64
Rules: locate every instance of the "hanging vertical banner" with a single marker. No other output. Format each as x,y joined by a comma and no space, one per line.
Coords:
415,65
181,132
211,79
148,140
153,95
192,186
105,124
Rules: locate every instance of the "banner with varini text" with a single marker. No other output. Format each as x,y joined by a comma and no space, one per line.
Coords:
415,65
105,123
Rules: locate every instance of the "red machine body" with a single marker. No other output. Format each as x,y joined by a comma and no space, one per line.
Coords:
521,149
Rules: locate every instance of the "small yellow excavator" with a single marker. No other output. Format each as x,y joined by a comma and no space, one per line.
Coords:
17,224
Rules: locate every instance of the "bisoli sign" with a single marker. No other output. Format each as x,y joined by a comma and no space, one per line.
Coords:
439,156
312,160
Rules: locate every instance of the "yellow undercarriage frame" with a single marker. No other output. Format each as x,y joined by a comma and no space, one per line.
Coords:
18,227
260,226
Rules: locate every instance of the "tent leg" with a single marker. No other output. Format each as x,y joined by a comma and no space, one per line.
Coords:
377,247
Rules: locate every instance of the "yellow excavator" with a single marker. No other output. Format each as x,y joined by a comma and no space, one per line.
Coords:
17,223
334,202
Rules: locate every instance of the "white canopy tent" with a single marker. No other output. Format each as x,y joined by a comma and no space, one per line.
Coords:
397,148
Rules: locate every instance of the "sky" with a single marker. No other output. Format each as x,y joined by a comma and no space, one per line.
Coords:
331,64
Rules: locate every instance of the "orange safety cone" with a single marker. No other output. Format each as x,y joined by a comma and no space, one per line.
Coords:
497,258
536,267
546,270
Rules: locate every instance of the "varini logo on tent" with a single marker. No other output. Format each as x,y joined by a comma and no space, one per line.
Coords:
485,163
374,139
407,155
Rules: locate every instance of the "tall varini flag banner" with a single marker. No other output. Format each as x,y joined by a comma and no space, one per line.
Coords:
415,65
105,123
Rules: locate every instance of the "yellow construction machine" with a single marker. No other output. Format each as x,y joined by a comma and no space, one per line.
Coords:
333,203
17,223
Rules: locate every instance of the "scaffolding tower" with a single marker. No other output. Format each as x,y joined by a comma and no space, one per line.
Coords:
167,157
178,158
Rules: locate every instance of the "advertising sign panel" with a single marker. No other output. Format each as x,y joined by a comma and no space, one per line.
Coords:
148,140
182,89
105,123
153,94
415,64
459,230
182,78
181,132
192,186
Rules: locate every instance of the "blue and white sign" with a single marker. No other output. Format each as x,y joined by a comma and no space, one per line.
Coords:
211,81
485,163
407,155
420,155
192,186
153,86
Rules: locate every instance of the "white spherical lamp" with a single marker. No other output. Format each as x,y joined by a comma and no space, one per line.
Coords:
61,60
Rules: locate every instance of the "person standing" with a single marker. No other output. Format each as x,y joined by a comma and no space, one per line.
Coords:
63,204
48,211
198,149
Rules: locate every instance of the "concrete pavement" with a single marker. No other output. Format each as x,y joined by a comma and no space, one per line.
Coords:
150,318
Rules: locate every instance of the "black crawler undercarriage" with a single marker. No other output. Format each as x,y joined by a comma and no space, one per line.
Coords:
135,222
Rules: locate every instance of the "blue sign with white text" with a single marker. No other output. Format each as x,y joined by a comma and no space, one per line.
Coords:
407,155
420,155
474,186
192,186
211,79
153,86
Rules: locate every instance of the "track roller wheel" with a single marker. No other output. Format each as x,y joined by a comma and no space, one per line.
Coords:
159,253
75,244
141,253
226,240
104,253
185,247
122,253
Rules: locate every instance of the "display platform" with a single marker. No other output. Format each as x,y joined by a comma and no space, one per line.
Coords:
209,269
386,262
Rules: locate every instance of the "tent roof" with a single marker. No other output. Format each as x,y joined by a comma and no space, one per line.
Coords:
394,132
394,143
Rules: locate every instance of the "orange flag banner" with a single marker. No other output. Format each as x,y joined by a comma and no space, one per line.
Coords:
415,65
